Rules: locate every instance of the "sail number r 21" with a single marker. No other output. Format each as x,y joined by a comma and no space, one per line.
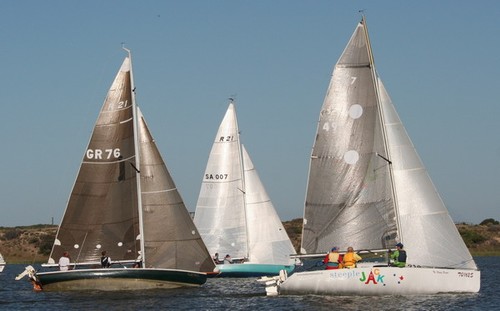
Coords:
99,154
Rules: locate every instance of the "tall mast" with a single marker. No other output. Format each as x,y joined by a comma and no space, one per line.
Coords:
243,184
137,160
387,155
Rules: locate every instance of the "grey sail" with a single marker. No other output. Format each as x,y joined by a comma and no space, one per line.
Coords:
349,200
106,183
170,236
367,186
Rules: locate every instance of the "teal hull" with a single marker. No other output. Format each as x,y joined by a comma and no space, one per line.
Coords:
119,279
251,270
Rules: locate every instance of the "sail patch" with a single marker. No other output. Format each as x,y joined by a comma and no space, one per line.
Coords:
355,111
351,157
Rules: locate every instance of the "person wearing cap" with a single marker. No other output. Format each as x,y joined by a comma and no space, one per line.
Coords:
64,262
398,256
351,258
333,259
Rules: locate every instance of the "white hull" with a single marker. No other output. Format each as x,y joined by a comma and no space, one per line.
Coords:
2,266
380,281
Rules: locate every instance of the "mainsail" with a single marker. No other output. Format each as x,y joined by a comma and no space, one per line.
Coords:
220,211
349,200
367,187
102,212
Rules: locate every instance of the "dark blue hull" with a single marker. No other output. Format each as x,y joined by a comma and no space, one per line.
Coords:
119,279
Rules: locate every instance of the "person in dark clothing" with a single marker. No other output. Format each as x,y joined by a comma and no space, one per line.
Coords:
105,260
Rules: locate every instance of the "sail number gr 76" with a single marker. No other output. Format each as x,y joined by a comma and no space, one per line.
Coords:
99,154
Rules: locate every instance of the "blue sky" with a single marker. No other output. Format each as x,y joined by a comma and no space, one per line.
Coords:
439,61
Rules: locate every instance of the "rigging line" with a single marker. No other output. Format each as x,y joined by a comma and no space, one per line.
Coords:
387,160
135,168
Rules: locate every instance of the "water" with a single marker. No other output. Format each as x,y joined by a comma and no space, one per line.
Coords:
240,294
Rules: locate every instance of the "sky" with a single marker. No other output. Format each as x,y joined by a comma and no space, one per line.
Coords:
439,61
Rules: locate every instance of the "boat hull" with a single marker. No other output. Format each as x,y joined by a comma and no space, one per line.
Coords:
2,266
251,270
112,279
381,281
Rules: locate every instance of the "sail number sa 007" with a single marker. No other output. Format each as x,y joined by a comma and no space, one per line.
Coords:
216,176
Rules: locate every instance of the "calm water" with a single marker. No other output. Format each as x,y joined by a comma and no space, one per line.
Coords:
241,294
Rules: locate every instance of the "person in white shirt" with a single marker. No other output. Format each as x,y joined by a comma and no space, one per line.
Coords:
64,262
227,259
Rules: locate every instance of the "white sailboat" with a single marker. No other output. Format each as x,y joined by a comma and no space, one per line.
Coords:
2,263
368,189
234,213
125,202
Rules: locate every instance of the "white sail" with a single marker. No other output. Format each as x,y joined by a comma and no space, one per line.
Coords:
2,263
428,231
268,241
220,211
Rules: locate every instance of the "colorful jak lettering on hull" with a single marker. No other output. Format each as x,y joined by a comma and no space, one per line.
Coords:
375,277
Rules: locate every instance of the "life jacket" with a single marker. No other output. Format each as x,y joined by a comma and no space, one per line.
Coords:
349,260
333,261
334,257
402,255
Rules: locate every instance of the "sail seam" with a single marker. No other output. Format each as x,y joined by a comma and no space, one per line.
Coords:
111,162
353,66
159,191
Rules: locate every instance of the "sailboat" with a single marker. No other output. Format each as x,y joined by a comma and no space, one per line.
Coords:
368,189
125,203
2,263
234,213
